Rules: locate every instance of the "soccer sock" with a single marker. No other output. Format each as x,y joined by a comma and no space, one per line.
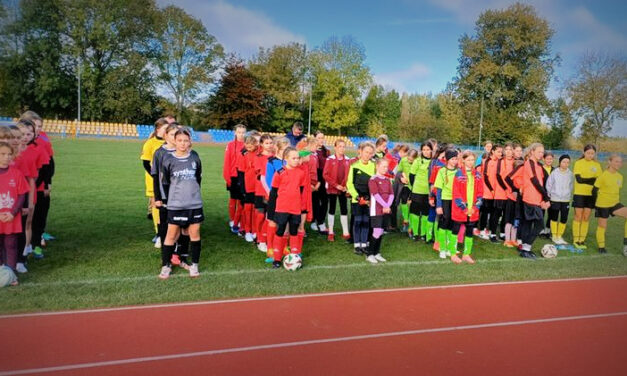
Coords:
561,228
452,242
301,240
601,237
166,254
195,248
279,245
576,231
238,214
429,230
468,242
232,206
331,221
294,244
442,239
554,230
405,212
344,222
263,235
155,219
508,232
414,222
260,218
248,212
423,225
183,247
584,230
286,250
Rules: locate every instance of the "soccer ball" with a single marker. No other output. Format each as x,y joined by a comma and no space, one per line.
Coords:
292,262
549,251
7,276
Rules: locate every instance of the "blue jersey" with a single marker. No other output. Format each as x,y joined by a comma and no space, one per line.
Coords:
274,164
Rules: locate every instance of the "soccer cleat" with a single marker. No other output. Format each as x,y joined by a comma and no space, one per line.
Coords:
48,237
580,245
262,247
20,268
155,238
357,251
379,258
38,252
502,236
231,223
193,271
346,236
528,254
555,240
494,239
158,243
235,229
276,264
456,259
371,259
442,255
175,260
476,232
602,250
185,265
165,272
331,237
468,259
249,237
314,226
322,228
27,250
485,235
562,241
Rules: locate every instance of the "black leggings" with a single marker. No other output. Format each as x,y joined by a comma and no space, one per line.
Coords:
283,219
532,223
333,198
495,216
559,209
319,202
470,226
40,217
485,213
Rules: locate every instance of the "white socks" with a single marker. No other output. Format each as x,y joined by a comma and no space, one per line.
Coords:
331,221
344,222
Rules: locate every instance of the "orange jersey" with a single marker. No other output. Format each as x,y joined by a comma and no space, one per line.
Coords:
533,192
489,178
503,190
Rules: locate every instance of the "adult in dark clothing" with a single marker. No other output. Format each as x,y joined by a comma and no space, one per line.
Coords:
296,134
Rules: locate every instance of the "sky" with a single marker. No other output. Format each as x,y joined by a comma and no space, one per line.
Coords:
411,46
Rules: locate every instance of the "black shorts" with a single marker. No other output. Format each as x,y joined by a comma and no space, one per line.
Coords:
532,212
186,217
419,204
607,212
260,202
446,222
249,198
404,196
580,201
509,211
380,221
234,189
500,204
284,219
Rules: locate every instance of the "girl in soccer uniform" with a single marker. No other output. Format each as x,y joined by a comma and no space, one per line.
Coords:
359,175
381,199
247,177
438,162
559,187
607,193
335,176
13,190
182,173
289,185
394,159
179,257
494,204
504,193
467,193
229,173
275,163
586,171
444,196
320,200
419,199
403,170
151,145
261,194
535,199
547,164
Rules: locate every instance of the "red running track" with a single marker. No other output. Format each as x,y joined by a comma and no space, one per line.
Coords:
575,327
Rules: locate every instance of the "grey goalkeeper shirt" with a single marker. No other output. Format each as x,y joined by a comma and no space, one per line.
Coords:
181,181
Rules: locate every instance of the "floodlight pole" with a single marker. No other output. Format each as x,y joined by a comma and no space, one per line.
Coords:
309,120
480,122
79,89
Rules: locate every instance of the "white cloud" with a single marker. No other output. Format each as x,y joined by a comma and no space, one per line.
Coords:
237,28
402,79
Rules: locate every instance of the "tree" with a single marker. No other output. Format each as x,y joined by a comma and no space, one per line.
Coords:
561,124
340,77
508,64
599,93
380,112
280,71
238,98
185,55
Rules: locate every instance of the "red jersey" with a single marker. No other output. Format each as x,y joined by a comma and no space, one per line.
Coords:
291,183
12,184
309,169
45,142
246,164
312,171
336,173
382,186
229,168
261,161
27,164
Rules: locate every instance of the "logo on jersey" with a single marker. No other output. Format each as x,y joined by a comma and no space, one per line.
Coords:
194,165
12,183
593,169
6,201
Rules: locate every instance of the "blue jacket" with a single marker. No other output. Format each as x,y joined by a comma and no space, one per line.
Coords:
294,139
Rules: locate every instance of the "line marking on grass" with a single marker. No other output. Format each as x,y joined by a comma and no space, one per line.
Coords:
300,296
305,269
307,343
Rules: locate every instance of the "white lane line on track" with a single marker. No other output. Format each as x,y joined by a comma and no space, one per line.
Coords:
303,343
301,296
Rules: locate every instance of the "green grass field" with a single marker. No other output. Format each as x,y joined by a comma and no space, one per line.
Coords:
103,256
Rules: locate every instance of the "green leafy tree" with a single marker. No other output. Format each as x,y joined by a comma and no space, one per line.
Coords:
280,71
599,94
238,99
508,63
185,55
561,124
380,112
340,77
